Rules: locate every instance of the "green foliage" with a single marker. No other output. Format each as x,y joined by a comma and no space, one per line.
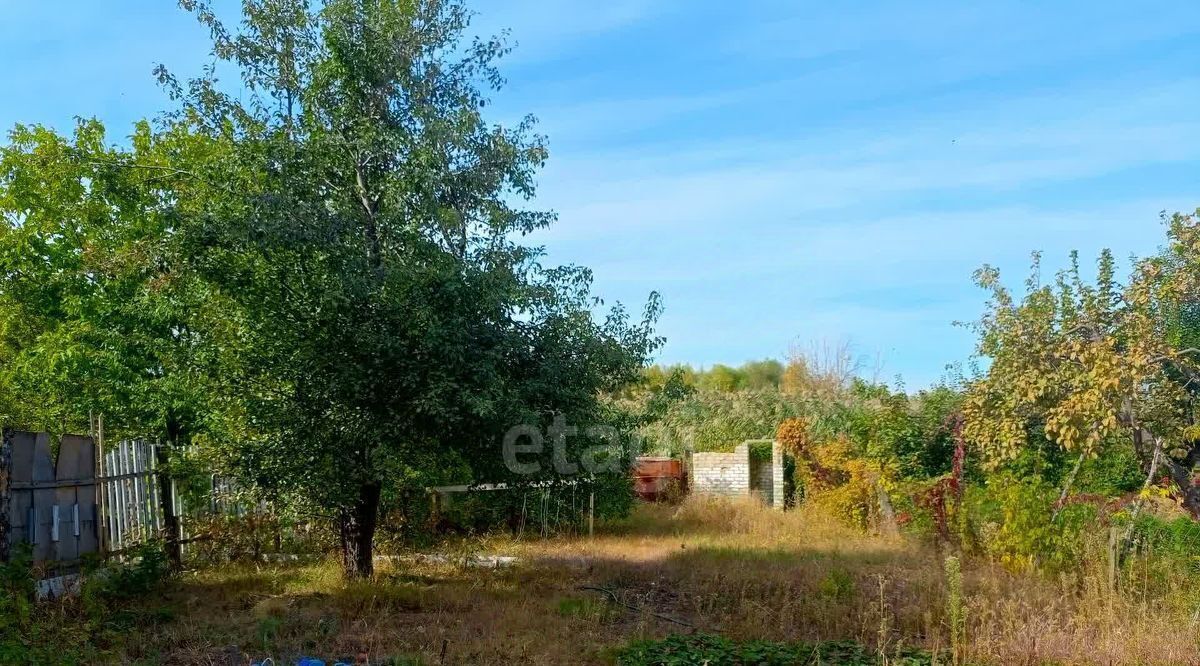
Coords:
752,375
32,632
91,319
73,630
322,283
711,650
589,608
1178,538
1113,472
147,569
1089,363
1017,522
1164,560
760,449
17,587
719,421
837,586
391,326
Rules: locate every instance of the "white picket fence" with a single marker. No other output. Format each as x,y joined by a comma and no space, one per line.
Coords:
130,503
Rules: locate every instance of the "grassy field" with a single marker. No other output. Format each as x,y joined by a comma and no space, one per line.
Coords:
730,569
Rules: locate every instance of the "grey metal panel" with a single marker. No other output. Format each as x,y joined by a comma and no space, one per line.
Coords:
22,500
43,465
20,471
23,446
76,458
65,484
89,535
67,547
43,502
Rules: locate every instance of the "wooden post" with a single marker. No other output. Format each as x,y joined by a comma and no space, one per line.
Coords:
435,510
592,514
101,522
1113,558
5,496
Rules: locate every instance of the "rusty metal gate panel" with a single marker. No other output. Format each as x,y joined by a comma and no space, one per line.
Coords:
657,479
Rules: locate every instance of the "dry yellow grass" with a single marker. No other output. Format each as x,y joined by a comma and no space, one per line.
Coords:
728,567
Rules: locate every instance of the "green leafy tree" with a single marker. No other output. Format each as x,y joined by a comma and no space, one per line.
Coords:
93,320
389,325
1089,363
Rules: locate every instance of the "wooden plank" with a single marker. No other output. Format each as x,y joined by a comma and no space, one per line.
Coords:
119,477
129,529
138,507
157,490
119,495
70,483
88,510
20,504
147,494
110,498
110,501
105,490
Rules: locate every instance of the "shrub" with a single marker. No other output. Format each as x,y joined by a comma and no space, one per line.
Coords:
1018,524
147,568
72,630
17,588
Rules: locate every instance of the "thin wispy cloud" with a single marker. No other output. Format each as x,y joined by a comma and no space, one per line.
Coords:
551,29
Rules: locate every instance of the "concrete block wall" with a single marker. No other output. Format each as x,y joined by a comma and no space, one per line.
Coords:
737,475
762,479
777,498
721,473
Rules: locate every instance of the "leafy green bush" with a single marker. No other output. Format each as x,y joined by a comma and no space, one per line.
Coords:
1172,538
32,632
17,588
147,568
72,630
1114,472
1016,521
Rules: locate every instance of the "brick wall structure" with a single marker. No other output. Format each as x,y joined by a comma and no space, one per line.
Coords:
738,474
725,474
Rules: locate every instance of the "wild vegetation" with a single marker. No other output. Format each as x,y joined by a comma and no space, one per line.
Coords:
316,284
705,582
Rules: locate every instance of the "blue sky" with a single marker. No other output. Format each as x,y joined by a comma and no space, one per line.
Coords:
780,171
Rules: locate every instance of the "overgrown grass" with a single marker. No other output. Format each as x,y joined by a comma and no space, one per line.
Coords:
742,576
708,650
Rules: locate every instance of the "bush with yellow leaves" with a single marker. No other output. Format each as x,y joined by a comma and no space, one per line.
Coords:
833,476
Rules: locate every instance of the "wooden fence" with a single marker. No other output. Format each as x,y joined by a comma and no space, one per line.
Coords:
80,499
130,494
